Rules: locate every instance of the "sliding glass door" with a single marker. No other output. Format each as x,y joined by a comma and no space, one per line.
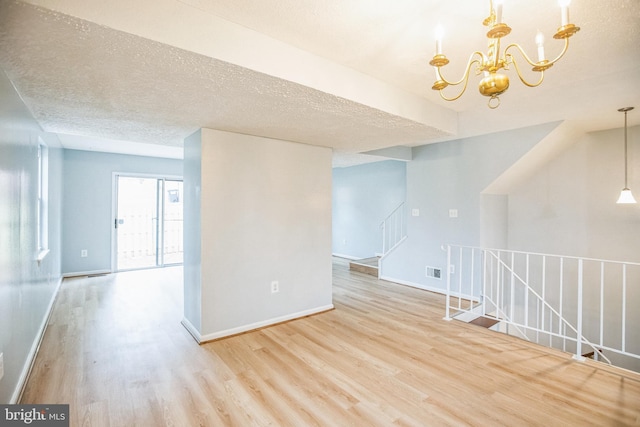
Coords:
148,222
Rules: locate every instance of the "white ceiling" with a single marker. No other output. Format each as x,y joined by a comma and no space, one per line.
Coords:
352,75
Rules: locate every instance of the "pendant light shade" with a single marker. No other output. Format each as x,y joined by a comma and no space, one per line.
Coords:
625,195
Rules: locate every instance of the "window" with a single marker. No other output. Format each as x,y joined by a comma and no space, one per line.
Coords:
43,201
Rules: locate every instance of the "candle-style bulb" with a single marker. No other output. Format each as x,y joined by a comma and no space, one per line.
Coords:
540,44
564,11
439,33
499,4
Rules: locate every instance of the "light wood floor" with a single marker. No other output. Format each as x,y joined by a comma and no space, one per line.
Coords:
116,352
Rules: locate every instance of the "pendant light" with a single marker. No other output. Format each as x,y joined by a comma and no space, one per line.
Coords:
625,195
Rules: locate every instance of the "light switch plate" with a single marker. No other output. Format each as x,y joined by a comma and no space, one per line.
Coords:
453,213
415,212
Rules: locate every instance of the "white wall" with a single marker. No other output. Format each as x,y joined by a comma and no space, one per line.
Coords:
27,288
265,215
569,206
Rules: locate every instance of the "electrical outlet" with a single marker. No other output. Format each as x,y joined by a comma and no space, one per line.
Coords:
275,287
1,365
83,253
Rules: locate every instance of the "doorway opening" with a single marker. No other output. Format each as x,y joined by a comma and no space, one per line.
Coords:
148,222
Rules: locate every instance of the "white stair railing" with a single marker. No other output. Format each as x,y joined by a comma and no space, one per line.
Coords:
394,229
558,301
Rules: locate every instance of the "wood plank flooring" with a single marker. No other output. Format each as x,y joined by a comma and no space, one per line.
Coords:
116,352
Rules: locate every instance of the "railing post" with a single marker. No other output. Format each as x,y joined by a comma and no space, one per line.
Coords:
624,307
561,318
526,294
448,297
498,286
459,278
578,355
384,237
513,278
483,254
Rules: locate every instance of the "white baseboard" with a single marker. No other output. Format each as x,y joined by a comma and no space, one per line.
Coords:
85,273
258,325
191,329
428,288
33,352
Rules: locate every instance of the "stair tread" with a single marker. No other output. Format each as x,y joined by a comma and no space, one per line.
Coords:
485,322
371,262
367,266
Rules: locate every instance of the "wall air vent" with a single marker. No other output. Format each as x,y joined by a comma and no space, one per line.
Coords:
434,273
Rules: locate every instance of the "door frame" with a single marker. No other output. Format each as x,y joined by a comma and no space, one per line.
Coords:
114,207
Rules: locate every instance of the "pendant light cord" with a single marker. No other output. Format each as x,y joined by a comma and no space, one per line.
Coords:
625,150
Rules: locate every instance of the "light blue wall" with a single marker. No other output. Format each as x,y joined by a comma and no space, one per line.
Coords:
363,196
451,175
192,230
87,216
26,287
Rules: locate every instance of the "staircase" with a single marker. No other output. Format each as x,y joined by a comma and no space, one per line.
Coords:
367,266
393,232
583,306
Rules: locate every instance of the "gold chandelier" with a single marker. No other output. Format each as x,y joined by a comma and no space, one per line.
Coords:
489,64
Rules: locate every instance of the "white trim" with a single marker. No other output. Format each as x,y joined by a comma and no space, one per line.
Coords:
384,257
114,207
33,352
346,256
42,255
429,288
264,323
114,214
85,273
191,329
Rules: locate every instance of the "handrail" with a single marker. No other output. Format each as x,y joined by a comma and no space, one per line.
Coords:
545,303
549,255
504,315
553,298
394,229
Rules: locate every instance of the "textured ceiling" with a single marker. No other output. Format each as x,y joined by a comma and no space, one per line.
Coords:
84,79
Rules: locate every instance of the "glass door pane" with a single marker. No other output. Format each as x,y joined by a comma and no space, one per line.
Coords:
137,223
172,229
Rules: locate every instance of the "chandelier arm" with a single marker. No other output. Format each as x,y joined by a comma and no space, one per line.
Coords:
522,79
524,54
533,64
465,77
564,50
